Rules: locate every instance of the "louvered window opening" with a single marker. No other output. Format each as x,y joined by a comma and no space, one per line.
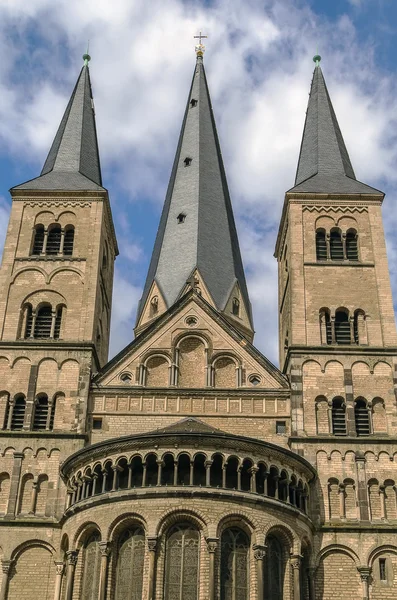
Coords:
29,322
321,246
38,241
54,241
336,246
18,414
361,417
342,328
338,418
68,242
58,323
52,415
328,328
351,246
43,323
40,413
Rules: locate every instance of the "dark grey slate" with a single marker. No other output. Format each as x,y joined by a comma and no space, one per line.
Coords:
207,240
73,160
324,165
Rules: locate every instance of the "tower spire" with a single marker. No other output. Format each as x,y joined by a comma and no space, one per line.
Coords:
324,165
73,160
197,234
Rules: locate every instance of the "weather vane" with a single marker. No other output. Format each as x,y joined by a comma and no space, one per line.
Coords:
200,48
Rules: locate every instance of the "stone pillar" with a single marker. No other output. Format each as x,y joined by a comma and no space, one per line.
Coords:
115,482
253,471
260,554
175,473
276,480
342,503
239,478
6,566
212,545
71,558
382,502
208,464
62,241
10,411
105,549
94,483
362,491
224,475
60,567
365,573
105,477
191,479
265,476
159,471
311,574
152,545
144,475
53,318
295,561
129,483
33,499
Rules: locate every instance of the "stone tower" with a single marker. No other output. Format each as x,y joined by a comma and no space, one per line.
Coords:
55,302
338,346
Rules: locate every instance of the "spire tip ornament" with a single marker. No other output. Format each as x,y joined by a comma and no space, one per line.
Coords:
317,59
86,56
200,48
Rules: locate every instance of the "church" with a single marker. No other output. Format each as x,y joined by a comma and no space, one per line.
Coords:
189,467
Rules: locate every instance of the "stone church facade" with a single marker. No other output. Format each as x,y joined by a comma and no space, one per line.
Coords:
189,467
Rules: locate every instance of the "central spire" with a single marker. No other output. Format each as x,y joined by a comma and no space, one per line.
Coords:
196,244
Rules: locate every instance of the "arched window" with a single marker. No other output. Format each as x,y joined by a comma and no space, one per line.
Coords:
40,412
130,559
351,245
38,240
338,416
236,307
18,412
274,571
361,417
234,564
321,245
91,568
54,240
68,240
43,324
342,327
336,246
181,563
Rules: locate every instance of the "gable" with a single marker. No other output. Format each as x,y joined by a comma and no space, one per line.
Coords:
191,346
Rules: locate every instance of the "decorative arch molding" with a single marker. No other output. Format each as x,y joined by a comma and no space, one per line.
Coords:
174,516
374,553
337,548
121,522
156,354
219,355
288,536
203,337
83,532
40,292
242,520
31,544
33,269
66,270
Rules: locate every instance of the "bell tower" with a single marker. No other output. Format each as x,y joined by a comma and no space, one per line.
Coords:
56,280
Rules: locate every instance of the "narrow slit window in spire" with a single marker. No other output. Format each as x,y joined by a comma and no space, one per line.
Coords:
188,161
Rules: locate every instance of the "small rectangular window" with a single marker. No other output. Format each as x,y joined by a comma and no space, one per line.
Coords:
281,427
193,102
382,569
97,423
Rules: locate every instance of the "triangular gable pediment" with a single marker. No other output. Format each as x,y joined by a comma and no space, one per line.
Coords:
193,317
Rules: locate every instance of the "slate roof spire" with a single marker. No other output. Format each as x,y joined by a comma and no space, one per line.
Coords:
324,165
73,160
197,236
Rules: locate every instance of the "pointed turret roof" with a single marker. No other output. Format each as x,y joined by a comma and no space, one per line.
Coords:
73,160
324,165
197,232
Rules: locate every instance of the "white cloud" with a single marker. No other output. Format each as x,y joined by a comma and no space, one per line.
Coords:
258,66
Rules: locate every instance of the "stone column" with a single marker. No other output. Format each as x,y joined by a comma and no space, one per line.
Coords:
253,471
265,476
62,241
94,483
342,503
382,502
60,567
239,478
212,545
129,483
115,482
208,464
191,479
71,557
144,474
276,480
105,549
311,574
152,545
365,573
224,475
14,487
53,318
260,554
105,476
33,499
6,566
296,566
10,411
159,471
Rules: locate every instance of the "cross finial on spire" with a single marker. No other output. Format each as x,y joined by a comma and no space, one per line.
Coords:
200,48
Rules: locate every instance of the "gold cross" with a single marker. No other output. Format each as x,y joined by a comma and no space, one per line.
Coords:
200,37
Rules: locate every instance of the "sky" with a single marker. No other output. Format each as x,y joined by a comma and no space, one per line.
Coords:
259,67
